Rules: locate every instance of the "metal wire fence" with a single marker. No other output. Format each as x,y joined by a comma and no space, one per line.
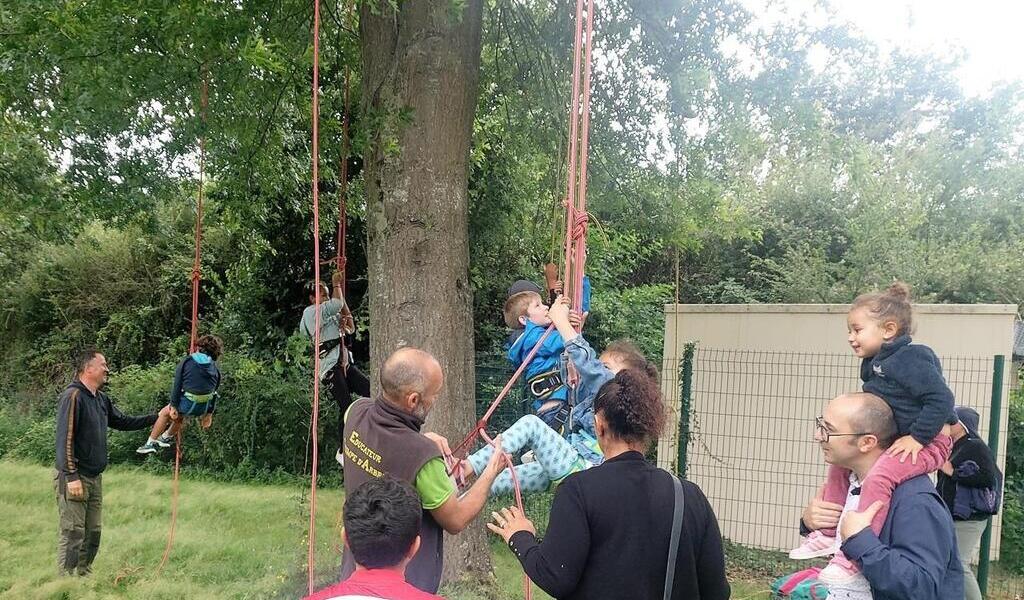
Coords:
746,422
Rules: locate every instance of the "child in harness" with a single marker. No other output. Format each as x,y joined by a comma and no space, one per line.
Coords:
193,394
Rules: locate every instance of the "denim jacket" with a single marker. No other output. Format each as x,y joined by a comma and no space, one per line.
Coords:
592,375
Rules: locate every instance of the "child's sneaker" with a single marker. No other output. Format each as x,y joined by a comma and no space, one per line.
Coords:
149,447
164,441
840,571
814,545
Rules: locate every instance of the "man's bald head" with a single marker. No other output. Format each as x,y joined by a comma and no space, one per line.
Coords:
411,379
870,414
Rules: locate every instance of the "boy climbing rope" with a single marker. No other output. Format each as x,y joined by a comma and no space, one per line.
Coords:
526,316
909,378
336,368
193,394
555,456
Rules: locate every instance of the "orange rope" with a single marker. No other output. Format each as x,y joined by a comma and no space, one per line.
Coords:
196,280
311,553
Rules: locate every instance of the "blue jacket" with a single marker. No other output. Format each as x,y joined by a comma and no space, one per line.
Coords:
909,378
592,375
915,557
545,360
521,342
196,374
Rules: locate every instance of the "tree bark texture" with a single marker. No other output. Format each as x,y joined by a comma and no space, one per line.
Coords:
420,75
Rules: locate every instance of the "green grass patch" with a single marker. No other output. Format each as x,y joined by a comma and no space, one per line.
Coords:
243,541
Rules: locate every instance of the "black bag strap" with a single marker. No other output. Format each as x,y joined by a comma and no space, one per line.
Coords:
677,529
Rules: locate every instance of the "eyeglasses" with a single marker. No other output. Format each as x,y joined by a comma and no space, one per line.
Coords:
825,434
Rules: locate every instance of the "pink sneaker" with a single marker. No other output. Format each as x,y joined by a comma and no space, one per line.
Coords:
815,545
840,570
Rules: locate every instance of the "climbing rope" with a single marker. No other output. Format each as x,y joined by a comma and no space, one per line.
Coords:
576,223
196,278
311,551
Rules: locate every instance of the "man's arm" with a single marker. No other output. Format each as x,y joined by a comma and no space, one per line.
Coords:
456,513
985,475
914,566
122,422
67,422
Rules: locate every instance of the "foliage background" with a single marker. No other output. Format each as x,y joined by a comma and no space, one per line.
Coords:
714,141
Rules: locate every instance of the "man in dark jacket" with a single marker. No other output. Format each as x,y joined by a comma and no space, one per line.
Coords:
83,415
971,470
915,555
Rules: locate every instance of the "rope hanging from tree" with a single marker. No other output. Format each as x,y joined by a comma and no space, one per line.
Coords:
311,550
576,221
196,278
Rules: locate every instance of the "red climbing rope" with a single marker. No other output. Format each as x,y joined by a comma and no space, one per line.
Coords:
579,137
311,554
196,280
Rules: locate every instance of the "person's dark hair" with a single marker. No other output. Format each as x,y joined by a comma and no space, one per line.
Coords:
891,305
875,417
83,357
631,405
632,358
382,519
210,345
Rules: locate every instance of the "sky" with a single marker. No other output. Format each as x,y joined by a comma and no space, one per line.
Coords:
990,33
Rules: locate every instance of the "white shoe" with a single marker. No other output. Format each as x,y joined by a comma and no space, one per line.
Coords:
527,457
338,456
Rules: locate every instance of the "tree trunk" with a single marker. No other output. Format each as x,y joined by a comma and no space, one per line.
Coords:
420,74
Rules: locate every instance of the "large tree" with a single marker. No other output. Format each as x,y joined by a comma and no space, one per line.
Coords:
421,63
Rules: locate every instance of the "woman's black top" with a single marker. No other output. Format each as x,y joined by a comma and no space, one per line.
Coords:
608,536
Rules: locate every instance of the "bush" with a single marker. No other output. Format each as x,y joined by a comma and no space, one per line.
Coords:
37,442
260,429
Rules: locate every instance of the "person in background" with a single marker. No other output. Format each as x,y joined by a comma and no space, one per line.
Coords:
969,485
84,413
336,369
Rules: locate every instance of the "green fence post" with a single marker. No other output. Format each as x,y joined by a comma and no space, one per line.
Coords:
993,443
686,400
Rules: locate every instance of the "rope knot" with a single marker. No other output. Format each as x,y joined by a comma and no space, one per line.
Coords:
580,225
196,274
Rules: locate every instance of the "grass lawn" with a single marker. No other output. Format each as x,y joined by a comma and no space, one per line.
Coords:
233,541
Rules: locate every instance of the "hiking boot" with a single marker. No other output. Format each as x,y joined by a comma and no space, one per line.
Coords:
148,448
814,545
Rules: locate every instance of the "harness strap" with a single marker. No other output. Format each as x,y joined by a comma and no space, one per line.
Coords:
677,526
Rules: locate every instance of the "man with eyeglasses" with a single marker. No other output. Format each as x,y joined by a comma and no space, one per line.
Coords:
915,556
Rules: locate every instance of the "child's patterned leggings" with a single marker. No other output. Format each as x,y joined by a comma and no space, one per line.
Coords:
554,457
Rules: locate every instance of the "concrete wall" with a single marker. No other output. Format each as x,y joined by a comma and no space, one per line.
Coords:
763,372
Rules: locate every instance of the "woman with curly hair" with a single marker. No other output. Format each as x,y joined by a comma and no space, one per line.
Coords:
609,528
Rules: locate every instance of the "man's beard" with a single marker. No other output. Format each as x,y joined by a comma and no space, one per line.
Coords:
420,412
